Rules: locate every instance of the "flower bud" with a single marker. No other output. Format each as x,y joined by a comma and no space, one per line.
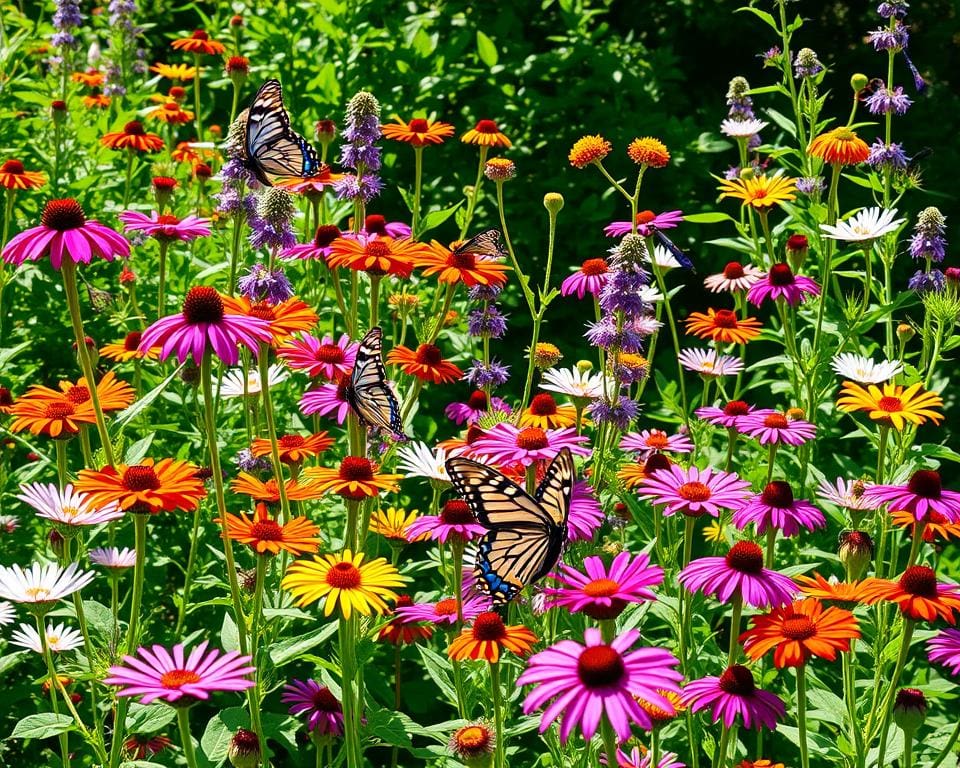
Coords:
546,355
58,111
909,709
474,744
856,552
797,248
748,172
553,202
56,541
584,366
244,751
325,131
858,82
236,21
905,332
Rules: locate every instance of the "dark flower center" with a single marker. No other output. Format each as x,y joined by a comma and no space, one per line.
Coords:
59,409
781,275
63,215
177,92
78,395
344,576
403,601
131,341
456,512
655,462
375,224
418,125
911,698
487,126
164,183
202,305
199,34
176,678
593,267
736,408
733,270
920,581
532,439
489,626
777,494
694,491
291,441
474,433
477,400
737,681
14,167
776,420
543,405
797,243
134,128
245,741
429,354
798,628
325,701
378,249
356,468
462,260
925,483
600,666
325,235
724,318
140,478
330,353
266,530
167,220
745,557
6,396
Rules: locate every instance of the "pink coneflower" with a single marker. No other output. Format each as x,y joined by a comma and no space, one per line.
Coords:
654,441
318,248
164,226
317,357
708,363
324,712
647,223
776,508
734,693
729,416
587,682
65,230
734,278
603,593
204,325
444,612
923,494
506,443
66,508
694,492
944,648
781,283
585,515
375,224
590,278
739,573
770,426
157,673
113,558
454,520
474,408
327,400
845,493
638,759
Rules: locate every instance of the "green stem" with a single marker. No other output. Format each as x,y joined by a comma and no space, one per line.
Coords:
196,96
183,720
947,748
472,201
735,630
887,710
162,280
828,255
348,671
263,361
129,178
417,186
188,575
802,715
498,757
52,675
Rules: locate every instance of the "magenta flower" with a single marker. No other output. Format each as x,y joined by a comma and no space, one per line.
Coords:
455,520
770,426
157,673
603,593
327,400
164,226
944,648
647,223
589,681
590,278
319,248
585,515
739,574
204,325
320,358
636,759
729,416
505,443
375,224
324,711
781,283
776,508
694,492
474,408
922,495
654,441
65,230
444,612
735,693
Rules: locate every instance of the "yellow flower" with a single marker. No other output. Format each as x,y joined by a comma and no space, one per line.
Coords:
392,523
714,532
589,149
760,192
893,405
344,580
175,71
649,151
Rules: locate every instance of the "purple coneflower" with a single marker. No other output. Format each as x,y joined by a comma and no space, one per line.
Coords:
781,283
590,278
327,400
324,712
923,494
739,574
647,223
474,407
320,357
735,694
455,521
506,443
444,612
601,592
694,492
654,441
319,248
944,648
729,416
164,226
770,426
776,508
585,515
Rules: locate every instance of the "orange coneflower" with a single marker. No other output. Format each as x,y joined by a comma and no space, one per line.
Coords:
92,78
285,319
841,146
134,137
799,631
452,266
723,326
115,395
199,43
171,113
918,594
96,99
184,153
147,487
54,416
269,491
936,525
545,413
418,132
488,637
175,71
589,149
293,448
356,478
380,256
426,363
486,134
831,589
659,715
893,406
14,176
128,349
264,535
315,185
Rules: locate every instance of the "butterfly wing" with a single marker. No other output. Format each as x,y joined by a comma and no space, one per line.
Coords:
272,147
556,489
485,245
679,255
368,392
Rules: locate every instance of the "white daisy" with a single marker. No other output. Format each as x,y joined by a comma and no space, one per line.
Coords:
863,369
416,459
113,558
865,225
66,507
735,277
741,129
41,584
707,362
573,382
7,613
232,385
59,638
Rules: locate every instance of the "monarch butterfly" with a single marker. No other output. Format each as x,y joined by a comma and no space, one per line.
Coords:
369,393
486,245
525,535
270,146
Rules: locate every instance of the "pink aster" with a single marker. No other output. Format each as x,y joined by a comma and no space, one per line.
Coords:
506,443
740,573
944,648
444,612
474,408
694,492
638,759
67,508
327,400
319,248
323,709
648,222
922,495
158,673
164,226
776,508
320,358
735,694
455,520
735,277
729,416
781,283
601,592
770,426
65,231
590,278
845,493
654,441
586,515
203,325
587,682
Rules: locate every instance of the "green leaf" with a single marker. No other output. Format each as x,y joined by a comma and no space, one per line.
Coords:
437,667
149,718
435,218
215,741
229,636
129,414
763,16
486,50
285,651
709,217
139,449
386,726
709,143
42,726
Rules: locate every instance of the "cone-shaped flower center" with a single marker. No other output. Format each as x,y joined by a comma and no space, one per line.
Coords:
178,92
920,581
446,607
375,224
645,217
781,275
798,628
724,318
600,666
325,235
474,433
263,310
462,260
655,462
202,305
601,588
164,183
325,701
329,353
344,576
456,512
134,128
694,491
199,34
132,341
429,354
797,243
58,409
266,530
378,249
245,742
473,739
489,626
177,678
594,267
167,220
925,483
63,215
477,400
487,126
911,698
403,601
78,395
745,557
532,439
14,167
356,468
543,405
733,270
890,404
736,408
418,125
140,478
776,421
737,680
777,494
291,441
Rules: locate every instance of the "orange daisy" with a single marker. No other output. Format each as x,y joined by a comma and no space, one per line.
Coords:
486,134
661,716
797,632
92,78
454,267
293,448
830,589
918,593
936,525
543,412
649,152
315,185
841,146
380,256
134,137
54,416
184,153
418,132
199,43
355,479
426,363
129,349
399,631
14,176
488,637
175,71
264,535
724,326
147,487
269,491
115,395
287,318
171,113
96,100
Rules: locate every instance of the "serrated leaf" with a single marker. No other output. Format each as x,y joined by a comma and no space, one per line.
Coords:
42,726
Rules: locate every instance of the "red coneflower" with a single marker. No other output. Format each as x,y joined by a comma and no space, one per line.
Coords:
133,137
199,43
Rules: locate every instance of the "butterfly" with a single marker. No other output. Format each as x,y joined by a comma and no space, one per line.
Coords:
679,255
368,391
525,534
486,245
270,146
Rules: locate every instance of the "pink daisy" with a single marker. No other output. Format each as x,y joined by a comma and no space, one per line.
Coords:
636,759
923,494
776,508
65,230
506,443
320,358
944,648
708,363
648,222
734,278
158,673
589,681
164,226
845,493
654,441
203,325
113,558
445,611
603,593
770,426
729,416
474,408
324,711
454,520
694,492
735,693
318,248
590,278
327,400
781,283
66,508
739,574
586,515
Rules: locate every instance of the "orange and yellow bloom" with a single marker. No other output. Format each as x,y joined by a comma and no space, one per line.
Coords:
841,146
147,487
293,448
649,152
199,43
355,479
798,631
425,363
723,325
13,175
486,133
133,137
893,406
489,637
452,266
589,150
265,536
761,192
419,132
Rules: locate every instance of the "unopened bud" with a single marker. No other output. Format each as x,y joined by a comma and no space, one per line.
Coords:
856,552
553,202
910,709
858,82
244,749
